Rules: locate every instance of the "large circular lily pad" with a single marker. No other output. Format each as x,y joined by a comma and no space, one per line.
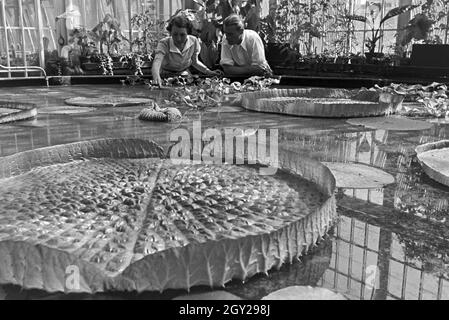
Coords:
304,293
16,111
108,101
434,159
322,103
125,219
391,124
359,176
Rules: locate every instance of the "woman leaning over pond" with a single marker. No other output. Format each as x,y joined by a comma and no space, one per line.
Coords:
177,53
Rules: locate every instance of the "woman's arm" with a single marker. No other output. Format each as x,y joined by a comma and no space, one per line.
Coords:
161,51
197,64
156,69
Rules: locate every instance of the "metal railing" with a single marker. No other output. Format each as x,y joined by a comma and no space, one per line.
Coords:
25,70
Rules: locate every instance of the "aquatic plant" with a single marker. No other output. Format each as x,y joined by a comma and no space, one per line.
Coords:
432,100
156,113
202,93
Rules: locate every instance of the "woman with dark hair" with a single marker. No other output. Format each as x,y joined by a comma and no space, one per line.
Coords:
177,53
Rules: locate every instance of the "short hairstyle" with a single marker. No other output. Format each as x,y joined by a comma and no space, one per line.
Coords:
234,20
180,22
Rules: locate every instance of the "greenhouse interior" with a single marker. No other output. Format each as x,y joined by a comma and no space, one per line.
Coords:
216,150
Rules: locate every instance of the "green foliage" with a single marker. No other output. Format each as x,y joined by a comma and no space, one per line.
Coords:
86,39
297,23
432,100
150,32
430,25
202,93
108,32
376,30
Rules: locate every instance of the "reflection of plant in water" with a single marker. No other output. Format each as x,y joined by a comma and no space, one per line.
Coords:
433,256
419,198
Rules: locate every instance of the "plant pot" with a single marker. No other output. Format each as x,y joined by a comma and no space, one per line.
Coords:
430,55
373,57
90,66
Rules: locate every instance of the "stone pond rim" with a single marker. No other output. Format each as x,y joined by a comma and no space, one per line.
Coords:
213,263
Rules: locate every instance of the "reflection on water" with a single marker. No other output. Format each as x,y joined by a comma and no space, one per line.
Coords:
389,243
372,262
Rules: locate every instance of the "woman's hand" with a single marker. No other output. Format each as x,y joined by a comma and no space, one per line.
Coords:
157,81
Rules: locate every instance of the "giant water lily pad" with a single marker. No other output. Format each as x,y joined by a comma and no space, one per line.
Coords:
304,293
15,111
124,218
359,176
108,101
322,103
434,159
391,124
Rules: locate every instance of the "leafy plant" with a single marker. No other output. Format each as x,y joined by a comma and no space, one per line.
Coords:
428,25
432,100
298,23
376,30
135,62
108,32
106,63
202,93
418,28
150,32
86,40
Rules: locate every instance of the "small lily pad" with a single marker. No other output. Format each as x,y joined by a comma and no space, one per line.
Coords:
359,176
107,102
433,157
391,124
304,293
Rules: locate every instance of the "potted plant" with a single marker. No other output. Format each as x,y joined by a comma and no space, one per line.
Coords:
86,40
143,47
376,29
422,31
